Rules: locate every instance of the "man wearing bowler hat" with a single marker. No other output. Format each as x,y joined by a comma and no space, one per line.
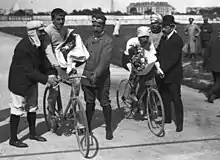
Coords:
169,54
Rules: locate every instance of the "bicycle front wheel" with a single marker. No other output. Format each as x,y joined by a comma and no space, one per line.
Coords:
123,97
81,127
155,112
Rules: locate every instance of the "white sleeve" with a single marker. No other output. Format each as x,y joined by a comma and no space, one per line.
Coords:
131,42
129,66
152,49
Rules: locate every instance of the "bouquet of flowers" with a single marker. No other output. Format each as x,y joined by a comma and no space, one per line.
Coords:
137,57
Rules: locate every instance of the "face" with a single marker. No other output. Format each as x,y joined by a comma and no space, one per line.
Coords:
97,28
59,21
155,26
167,29
40,34
143,40
190,21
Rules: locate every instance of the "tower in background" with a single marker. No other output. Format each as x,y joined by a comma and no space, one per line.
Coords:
112,6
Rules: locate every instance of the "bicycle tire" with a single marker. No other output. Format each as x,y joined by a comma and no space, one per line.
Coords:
155,112
58,107
78,107
123,87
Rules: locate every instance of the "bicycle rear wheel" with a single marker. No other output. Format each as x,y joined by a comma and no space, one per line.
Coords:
123,100
81,127
52,123
155,113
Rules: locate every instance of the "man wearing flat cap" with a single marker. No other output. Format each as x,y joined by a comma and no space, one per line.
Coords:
169,54
97,71
28,68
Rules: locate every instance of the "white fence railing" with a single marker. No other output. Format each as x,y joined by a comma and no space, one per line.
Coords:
86,20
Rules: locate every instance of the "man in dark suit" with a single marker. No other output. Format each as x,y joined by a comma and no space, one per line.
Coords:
28,68
169,55
213,57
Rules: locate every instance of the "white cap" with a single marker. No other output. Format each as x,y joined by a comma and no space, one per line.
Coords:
143,31
35,25
156,18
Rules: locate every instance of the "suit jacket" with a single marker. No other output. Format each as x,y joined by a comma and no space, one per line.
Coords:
29,66
170,58
206,31
100,50
212,55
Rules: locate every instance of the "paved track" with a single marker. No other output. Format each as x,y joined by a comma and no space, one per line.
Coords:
200,139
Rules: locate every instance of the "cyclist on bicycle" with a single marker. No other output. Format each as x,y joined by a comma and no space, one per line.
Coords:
141,59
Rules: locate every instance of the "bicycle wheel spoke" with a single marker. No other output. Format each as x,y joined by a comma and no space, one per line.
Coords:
155,112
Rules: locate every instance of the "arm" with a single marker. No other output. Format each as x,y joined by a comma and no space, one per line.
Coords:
186,30
50,51
198,31
126,57
174,56
152,49
105,58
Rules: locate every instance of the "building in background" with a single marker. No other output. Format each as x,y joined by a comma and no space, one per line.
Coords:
2,11
163,8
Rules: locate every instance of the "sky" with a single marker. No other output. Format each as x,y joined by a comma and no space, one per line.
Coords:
69,5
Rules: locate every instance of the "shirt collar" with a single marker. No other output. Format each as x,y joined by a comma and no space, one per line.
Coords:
100,36
171,33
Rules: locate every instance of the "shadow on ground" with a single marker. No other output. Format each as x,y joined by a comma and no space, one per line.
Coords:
5,129
4,114
98,118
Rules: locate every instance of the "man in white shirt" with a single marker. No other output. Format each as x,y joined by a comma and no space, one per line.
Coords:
57,34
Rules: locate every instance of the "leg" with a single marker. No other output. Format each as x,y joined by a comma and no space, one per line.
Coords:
17,109
89,96
175,91
31,108
165,94
103,97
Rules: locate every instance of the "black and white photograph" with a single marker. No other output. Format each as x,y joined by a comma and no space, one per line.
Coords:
109,80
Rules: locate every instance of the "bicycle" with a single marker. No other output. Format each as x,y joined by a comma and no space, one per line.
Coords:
73,111
153,109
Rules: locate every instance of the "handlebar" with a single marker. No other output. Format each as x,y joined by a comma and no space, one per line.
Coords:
68,80
71,78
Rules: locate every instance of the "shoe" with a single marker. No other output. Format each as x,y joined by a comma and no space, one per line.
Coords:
37,138
109,135
211,98
17,143
179,128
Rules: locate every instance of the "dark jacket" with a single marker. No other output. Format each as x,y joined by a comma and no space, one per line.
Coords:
206,31
170,58
100,50
28,67
212,55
